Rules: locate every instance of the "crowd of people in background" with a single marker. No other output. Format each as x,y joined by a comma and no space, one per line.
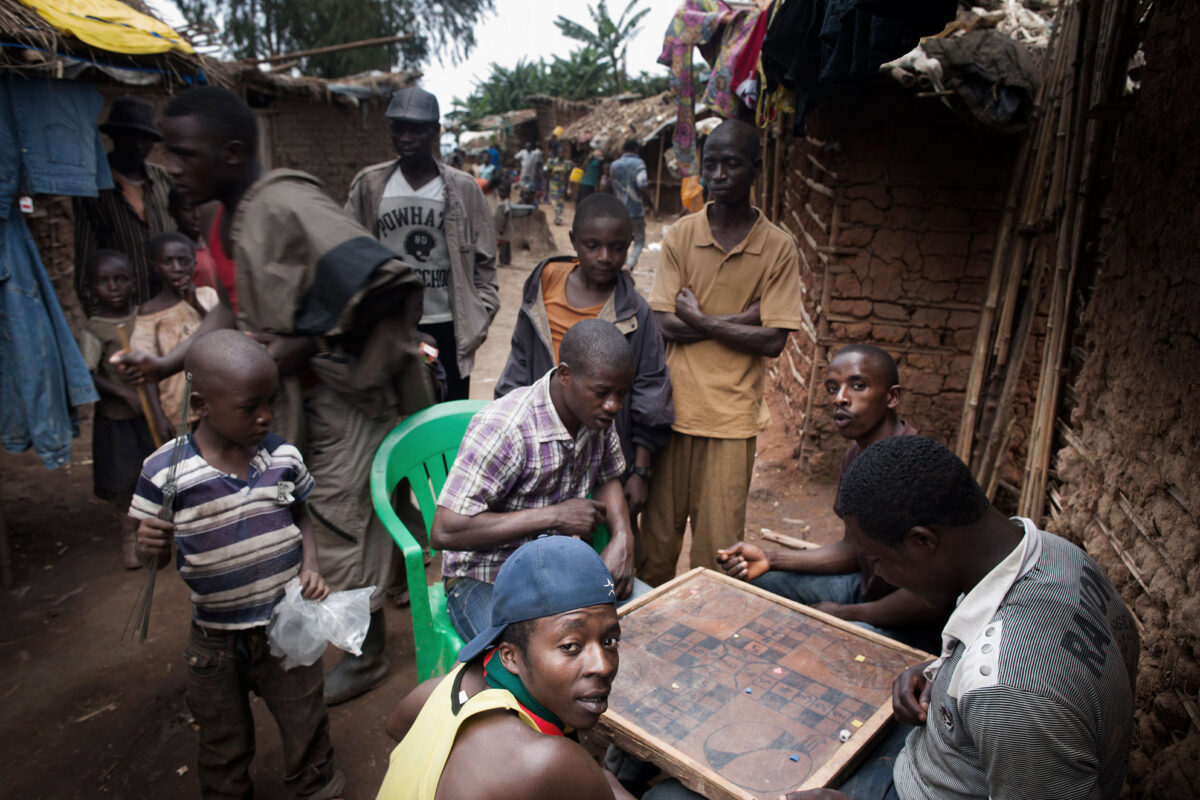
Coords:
283,334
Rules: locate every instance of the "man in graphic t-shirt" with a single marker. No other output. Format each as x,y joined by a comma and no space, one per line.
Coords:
435,218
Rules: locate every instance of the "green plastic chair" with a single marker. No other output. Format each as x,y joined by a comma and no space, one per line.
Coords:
422,448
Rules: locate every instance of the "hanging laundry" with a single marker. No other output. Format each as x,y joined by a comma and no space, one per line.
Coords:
745,64
815,46
696,24
49,144
737,33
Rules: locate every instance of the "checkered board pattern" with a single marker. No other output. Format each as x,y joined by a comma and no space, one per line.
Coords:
757,691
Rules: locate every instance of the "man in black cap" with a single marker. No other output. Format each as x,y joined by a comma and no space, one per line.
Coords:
435,217
125,217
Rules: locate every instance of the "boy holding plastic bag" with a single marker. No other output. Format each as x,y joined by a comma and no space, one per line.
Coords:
243,533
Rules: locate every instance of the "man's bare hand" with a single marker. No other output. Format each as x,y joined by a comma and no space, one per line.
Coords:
687,307
312,585
580,517
836,609
637,491
136,367
154,538
744,561
910,695
618,557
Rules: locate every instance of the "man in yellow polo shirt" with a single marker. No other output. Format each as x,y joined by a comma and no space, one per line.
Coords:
726,293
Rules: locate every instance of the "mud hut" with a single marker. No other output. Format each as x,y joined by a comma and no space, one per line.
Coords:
648,120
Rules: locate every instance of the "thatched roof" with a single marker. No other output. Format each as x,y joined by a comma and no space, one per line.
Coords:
349,89
509,119
35,45
616,119
559,103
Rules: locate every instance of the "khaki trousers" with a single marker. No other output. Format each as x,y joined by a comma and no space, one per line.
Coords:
703,479
353,548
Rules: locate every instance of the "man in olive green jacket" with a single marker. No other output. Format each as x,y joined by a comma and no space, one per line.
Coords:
435,218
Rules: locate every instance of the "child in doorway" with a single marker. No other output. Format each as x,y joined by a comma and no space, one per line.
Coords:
562,291
121,438
174,313
243,532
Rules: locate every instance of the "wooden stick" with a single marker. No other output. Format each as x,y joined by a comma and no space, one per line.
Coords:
1084,156
993,454
781,145
789,541
823,329
333,48
1010,341
143,396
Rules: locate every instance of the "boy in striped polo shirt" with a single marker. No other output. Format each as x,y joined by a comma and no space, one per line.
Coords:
243,533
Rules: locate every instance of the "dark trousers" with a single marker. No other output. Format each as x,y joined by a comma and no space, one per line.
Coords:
457,387
223,668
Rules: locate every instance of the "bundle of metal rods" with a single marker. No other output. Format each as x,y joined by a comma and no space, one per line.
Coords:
139,615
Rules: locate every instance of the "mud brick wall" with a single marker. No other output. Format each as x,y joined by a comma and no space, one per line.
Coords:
1128,488
894,205
332,141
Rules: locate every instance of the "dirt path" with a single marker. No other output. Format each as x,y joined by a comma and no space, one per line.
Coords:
87,715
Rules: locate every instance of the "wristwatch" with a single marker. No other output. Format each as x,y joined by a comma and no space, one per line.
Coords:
644,472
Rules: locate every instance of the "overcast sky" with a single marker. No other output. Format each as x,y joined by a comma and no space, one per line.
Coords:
521,29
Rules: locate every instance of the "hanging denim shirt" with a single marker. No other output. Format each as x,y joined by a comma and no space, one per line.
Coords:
49,142
42,374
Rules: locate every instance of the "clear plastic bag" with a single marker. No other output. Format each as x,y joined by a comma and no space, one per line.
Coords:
300,629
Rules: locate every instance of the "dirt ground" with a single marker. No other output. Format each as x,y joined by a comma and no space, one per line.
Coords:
89,715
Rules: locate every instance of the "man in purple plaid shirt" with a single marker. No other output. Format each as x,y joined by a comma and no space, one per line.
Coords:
526,467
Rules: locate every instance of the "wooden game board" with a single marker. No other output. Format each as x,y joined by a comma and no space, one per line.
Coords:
741,694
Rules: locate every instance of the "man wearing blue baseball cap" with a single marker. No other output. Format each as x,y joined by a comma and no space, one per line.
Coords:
496,724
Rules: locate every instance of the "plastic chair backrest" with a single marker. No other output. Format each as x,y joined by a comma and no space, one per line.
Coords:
422,448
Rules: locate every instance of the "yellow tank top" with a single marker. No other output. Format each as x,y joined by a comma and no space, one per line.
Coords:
416,765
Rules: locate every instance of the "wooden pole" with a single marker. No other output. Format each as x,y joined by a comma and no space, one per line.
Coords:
986,409
147,412
823,327
1087,137
333,48
987,314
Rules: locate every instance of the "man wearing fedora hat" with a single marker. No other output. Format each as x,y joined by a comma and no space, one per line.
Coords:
125,217
496,724
436,218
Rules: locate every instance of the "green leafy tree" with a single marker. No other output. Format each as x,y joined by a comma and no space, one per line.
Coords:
646,84
582,75
609,37
504,89
261,28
